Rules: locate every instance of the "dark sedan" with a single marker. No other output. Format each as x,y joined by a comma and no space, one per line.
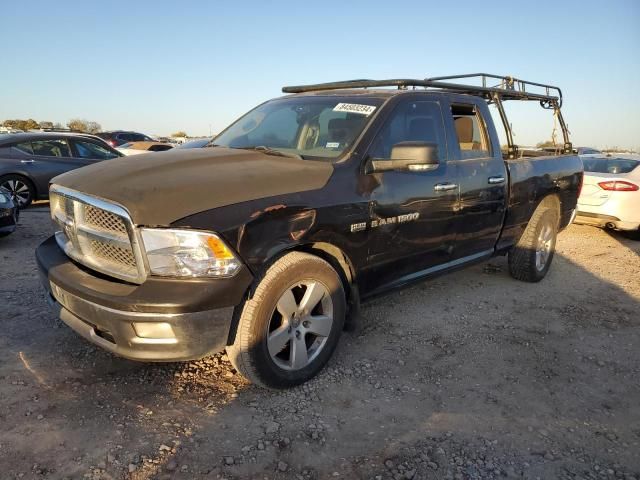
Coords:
8,213
28,161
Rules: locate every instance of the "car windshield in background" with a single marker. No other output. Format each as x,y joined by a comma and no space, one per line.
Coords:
311,127
609,165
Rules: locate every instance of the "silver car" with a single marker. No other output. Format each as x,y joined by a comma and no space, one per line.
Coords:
610,194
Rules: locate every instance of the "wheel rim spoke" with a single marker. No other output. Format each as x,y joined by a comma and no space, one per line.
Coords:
299,355
320,325
287,305
278,339
312,296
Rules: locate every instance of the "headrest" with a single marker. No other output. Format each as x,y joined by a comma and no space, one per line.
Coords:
464,129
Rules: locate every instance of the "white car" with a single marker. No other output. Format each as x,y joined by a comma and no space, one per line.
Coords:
610,194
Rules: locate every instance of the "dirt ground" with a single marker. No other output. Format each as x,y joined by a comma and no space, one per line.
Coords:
472,375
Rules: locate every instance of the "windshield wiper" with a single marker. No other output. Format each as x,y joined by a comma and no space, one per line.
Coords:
270,151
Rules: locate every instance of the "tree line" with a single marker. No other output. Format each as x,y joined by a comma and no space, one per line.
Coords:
75,124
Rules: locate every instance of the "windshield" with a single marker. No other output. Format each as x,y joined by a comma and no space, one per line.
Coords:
311,127
609,165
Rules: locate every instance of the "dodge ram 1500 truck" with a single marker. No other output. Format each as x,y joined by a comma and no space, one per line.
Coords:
265,242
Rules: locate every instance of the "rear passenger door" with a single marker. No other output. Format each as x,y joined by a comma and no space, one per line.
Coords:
45,159
482,176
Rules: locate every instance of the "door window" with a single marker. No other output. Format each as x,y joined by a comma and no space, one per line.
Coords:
24,148
51,148
93,151
411,121
470,132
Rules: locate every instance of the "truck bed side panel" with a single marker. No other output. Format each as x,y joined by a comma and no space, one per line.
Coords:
531,179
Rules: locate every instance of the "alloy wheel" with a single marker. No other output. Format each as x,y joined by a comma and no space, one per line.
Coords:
300,325
18,190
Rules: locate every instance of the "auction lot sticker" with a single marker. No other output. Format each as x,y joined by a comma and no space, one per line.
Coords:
355,108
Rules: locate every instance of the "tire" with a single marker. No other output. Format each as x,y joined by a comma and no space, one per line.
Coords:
531,258
279,350
20,188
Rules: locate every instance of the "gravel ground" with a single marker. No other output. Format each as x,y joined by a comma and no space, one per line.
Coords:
472,375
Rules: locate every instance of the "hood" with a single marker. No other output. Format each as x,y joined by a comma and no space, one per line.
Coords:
163,187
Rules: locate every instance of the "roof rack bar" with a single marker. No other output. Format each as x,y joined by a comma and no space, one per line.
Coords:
509,89
507,82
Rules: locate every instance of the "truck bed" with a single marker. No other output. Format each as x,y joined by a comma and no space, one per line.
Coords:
531,179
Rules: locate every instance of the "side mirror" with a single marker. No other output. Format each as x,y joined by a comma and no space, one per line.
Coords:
408,156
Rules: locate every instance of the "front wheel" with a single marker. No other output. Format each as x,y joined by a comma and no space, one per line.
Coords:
290,327
531,258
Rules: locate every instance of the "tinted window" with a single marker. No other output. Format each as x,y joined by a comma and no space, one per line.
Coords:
138,137
470,133
411,121
609,165
159,148
24,147
51,148
93,151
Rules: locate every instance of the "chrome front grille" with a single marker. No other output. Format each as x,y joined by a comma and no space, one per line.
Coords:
97,234
104,220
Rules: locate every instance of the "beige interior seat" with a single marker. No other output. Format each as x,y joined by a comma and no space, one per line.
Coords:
464,129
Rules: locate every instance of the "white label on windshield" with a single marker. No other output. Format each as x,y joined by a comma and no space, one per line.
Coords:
333,145
355,108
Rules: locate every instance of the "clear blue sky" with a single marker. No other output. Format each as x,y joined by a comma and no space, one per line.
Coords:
159,66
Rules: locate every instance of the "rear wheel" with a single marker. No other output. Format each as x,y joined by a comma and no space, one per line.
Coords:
290,327
20,188
531,258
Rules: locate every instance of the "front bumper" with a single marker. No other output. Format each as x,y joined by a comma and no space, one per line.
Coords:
8,219
161,320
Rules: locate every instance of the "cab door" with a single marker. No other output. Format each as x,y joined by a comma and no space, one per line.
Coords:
482,176
412,213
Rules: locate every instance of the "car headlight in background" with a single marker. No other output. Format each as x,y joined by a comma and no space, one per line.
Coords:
188,253
5,197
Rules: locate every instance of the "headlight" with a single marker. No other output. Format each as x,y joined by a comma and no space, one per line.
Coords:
188,253
4,198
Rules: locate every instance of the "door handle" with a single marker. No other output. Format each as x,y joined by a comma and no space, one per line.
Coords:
27,161
496,180
444,187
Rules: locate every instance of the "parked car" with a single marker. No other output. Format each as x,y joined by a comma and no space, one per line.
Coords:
265,244
118,137
9,213
587,151
28,161
197,143
136,148
610,196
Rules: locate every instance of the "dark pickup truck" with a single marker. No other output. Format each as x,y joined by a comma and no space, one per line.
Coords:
265,242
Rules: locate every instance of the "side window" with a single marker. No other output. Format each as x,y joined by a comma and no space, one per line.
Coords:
160,148
411,121
470,132
93,151
24,148
51,148
127,137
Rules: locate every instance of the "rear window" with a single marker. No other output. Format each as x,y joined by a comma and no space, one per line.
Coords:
609,165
